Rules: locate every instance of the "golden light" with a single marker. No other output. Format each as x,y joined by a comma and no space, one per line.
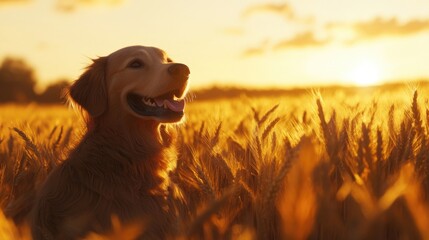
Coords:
366,73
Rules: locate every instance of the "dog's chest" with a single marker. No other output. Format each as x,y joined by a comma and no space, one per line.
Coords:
134,177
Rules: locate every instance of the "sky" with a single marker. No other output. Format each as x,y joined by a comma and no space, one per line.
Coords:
251,43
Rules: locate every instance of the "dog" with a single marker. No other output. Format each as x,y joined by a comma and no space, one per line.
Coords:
119,168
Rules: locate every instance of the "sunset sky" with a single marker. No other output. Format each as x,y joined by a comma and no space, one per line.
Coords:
249,43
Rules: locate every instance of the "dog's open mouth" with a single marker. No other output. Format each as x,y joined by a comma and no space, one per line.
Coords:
166,107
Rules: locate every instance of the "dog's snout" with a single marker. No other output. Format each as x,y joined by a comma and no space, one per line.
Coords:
179,70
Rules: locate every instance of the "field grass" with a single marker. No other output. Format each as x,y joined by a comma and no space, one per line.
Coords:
314,166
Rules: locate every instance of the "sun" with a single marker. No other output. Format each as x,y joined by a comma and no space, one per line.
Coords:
365,73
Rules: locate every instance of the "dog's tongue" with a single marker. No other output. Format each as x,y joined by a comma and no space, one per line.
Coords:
176,106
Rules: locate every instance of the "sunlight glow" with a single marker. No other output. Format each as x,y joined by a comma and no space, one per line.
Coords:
365,74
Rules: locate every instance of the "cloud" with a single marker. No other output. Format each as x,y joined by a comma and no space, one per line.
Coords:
301,40
13,2
255,51
367,30
282,9
233,31
379,27
73,5
262,48
336,32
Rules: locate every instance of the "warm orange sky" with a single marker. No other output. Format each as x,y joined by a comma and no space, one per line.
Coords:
252,43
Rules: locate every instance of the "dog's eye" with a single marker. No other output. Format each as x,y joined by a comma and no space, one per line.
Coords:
136,64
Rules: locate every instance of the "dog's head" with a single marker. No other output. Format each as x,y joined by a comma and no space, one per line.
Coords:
140,81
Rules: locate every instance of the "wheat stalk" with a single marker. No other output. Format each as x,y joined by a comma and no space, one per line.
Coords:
366,144
214,207
234,145
275,186
304,118
10,145
28,142
67,137
391,125
197,138
269,128
215,138
57,142
267,114
53,131
204,183
418,124
323,124
379,151
273,142
255,115
259,148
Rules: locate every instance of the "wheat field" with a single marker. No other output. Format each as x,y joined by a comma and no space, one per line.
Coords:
315,166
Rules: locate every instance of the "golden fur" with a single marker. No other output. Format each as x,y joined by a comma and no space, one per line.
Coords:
118,168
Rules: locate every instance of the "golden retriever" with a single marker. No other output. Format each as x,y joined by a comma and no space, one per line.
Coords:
119,167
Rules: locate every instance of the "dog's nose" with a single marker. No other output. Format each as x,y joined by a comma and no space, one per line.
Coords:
179,70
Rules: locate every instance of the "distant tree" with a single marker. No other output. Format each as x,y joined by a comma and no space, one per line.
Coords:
16,81
54,93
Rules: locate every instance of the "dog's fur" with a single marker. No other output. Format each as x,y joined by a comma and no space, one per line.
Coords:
119,167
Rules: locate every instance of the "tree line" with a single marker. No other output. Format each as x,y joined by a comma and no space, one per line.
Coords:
18,82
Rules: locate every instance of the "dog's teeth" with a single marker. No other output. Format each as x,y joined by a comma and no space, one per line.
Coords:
146,101
149,101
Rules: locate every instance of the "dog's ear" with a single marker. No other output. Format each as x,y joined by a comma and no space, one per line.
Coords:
90,90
